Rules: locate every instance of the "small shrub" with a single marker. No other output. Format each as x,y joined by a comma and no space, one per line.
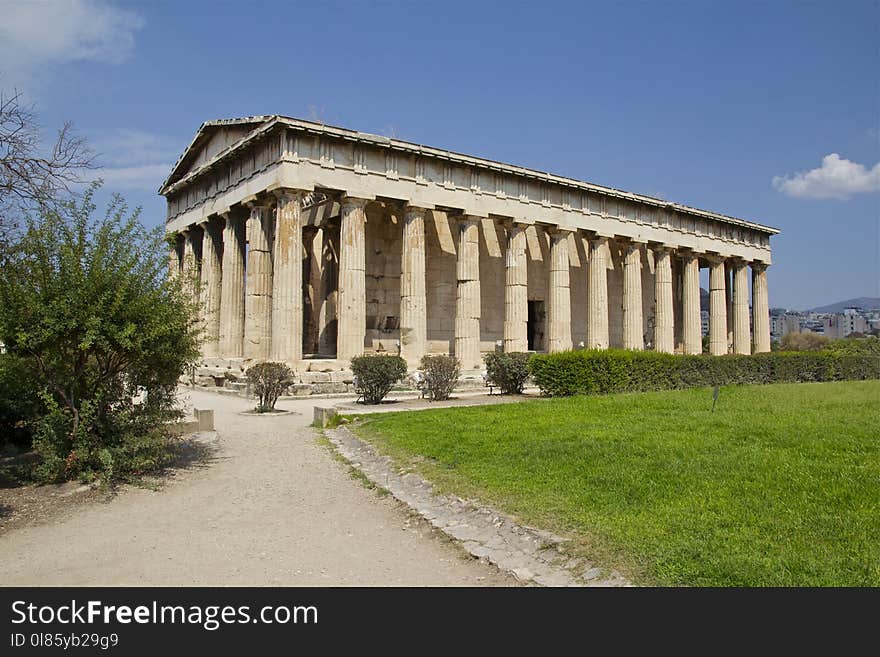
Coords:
377,374
508,370
441,375
268,380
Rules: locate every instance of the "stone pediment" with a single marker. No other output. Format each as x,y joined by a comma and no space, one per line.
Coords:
212,138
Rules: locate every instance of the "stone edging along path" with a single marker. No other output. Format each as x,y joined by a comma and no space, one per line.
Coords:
531,555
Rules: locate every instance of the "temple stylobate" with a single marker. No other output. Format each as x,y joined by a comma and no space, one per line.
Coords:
307,241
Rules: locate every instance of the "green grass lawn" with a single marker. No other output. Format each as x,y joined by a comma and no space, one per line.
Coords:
780,486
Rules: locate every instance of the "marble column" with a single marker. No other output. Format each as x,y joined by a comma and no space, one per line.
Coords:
742,343
174,258
352,302
597,311
413,300
559,294
211,287
232,288
633,321
189,264
516,291
664,336
728,292
760,308
691,331
287,271
717,307
314,242
467,301
327,322
258,292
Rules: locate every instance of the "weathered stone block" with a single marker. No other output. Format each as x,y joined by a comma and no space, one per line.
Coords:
324,415
204,418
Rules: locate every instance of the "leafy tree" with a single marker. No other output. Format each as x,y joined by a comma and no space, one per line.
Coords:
803,342
89,304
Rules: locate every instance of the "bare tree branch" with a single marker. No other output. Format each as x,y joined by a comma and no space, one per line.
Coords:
30,176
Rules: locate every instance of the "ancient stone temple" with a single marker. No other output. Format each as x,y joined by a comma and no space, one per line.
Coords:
305,241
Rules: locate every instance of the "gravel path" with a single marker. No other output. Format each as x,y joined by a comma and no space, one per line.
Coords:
271,507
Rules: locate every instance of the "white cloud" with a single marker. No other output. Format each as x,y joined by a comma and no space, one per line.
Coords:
145,177
39,33
134,160
837,178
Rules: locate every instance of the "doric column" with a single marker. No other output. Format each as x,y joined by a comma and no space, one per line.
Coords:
287,301
633,322
232,288
728,293
314,241
760,307
189,264
691,333
742,343
559,294
467,301
413,301
664,336
327,320
211,288
597,311
174,258
516,290
352,304
258,292
717,307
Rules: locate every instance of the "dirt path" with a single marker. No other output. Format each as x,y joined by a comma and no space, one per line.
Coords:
272,507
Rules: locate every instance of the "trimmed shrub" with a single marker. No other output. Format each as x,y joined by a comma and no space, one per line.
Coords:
376,375
508,370
441,375
606,371
268,380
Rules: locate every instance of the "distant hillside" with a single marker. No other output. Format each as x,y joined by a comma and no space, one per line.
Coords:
867,303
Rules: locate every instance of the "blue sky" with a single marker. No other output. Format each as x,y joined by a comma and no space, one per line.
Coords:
765,110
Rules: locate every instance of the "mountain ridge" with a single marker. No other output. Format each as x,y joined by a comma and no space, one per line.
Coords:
867,303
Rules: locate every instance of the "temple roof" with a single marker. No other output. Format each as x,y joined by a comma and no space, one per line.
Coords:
187,167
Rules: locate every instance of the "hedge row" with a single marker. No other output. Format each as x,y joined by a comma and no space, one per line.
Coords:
605,371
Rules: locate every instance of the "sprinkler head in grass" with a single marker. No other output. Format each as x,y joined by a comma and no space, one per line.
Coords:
715,392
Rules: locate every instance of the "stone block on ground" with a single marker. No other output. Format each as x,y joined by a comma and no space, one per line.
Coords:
204,418
324,415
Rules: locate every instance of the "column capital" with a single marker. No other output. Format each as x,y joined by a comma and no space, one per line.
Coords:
467,220
659,248
287,194
411,212
559,231
759,266
254,202
355,202
632,245
715,258
598,240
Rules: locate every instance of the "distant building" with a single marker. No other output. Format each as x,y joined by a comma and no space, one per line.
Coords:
840,325
781,325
